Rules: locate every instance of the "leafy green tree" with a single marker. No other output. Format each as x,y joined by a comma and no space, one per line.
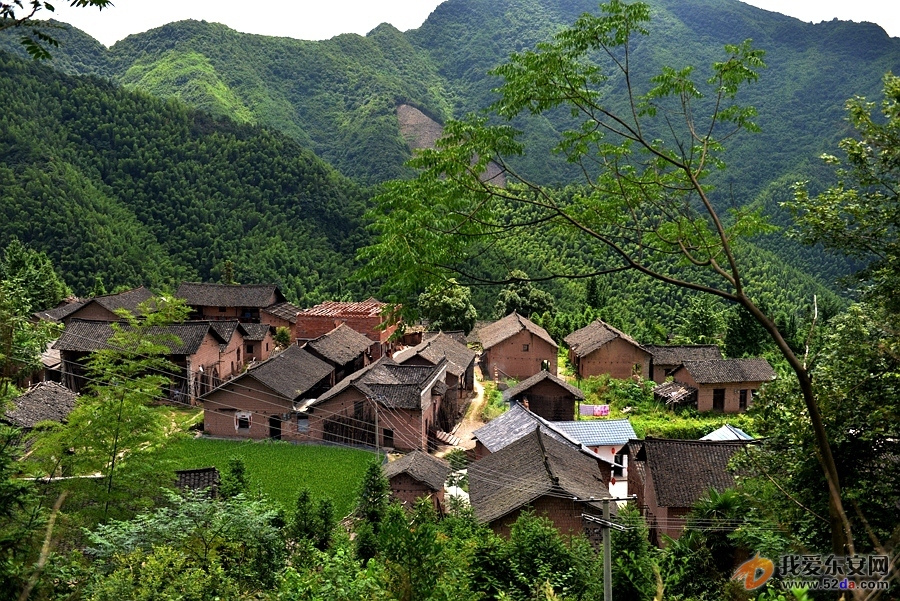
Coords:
371,507
234,480
18,518
744,337
114,430
283,337
860,214
634,562
523,297
22,340
702,322
312,521
41,286
21,14
448,306
643,204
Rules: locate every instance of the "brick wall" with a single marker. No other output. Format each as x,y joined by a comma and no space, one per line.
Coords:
245,395
732,395
616,358
550,401
408,490
513,361
564,513
93,311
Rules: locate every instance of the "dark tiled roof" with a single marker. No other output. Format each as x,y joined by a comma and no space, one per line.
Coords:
228,295
367,308
285,311
588,339
291,373
341,345
89,336
474,336
61,312
198,479
391,385
598,432
224,329
129,300
730,370
509,427
533,466
255,332
684,470
509,326
421,466
676,355
43,401
542,375
439,346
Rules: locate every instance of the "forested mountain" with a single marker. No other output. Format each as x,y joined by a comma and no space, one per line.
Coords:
134,189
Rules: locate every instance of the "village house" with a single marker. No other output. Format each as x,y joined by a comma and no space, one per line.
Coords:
365,317
262,402
666,359
259,343
546,395
99,308
201,355
540,473
724,385
383,405
415,476
45,401
243,302
515,347
598,348
607,438
672,475
281,315
460,370
345,349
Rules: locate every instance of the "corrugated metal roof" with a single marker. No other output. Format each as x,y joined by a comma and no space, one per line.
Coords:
727,432
598,432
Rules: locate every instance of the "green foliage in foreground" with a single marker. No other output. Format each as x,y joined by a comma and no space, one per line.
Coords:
280,470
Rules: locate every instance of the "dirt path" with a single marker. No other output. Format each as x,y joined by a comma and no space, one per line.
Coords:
471,422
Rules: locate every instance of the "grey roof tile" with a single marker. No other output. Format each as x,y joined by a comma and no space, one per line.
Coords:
598,432
291,373
45,401
439,346
197,479
341,345
512,425
255,332
588,339
724,371
678,354
284,310
89,336
228,295
542,375
421,466
389,384
509,326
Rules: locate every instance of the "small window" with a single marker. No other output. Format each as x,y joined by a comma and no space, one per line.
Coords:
267,347
387,437
742,401
242,420
302,423
525,348
249,350
222,309
718,399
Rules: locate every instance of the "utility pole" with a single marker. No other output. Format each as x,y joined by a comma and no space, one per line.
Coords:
606,525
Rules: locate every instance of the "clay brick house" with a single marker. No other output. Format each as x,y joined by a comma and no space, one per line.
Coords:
365,317
516,347
196,349
243,302
100,308
345,349
725,385
259,343
598,348
460,368
415,476
540,473
281,315
607,438
546,395
666,359
262,402
45,401
671,475
384,405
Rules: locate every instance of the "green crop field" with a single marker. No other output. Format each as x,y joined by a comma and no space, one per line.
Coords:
280,469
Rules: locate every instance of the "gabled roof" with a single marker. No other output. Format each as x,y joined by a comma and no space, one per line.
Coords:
421,466
224,329
197,479
199,294
512,425
129,300
367,308
724,371
62,311
678,354
684,470
727,432
89,336
509,326
341,345
43,401
598,432
284,310
439,346
533,466
291,373
389,384
588,339
542,375
255,332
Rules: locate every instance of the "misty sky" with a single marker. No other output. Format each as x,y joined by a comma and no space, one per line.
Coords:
321,20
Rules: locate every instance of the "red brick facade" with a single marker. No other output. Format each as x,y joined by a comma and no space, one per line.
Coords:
618,358
519,357
408,491
731,393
